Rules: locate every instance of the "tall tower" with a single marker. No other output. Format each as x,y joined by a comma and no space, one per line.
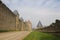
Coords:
39,25
17,18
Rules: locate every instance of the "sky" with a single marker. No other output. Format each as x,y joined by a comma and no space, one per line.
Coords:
46,11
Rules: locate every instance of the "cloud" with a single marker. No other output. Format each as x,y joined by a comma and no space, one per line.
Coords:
34,3
45,15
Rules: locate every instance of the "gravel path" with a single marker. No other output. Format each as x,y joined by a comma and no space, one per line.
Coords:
20,35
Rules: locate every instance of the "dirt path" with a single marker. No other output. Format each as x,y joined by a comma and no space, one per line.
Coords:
20,35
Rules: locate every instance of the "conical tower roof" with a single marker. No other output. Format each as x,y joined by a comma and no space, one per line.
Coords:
16,12
39,25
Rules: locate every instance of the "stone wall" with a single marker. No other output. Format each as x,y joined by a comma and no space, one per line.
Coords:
10,20
20,25
28,25
7,18
25,26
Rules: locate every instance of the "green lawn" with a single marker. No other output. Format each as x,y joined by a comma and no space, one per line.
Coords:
41,36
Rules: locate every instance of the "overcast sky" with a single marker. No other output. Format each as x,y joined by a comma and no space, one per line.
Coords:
44,10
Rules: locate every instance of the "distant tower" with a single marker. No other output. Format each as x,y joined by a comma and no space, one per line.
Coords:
39,25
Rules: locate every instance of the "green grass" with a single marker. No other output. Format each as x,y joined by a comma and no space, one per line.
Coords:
41,36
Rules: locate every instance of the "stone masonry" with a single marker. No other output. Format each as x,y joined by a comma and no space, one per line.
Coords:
7,18
10,20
